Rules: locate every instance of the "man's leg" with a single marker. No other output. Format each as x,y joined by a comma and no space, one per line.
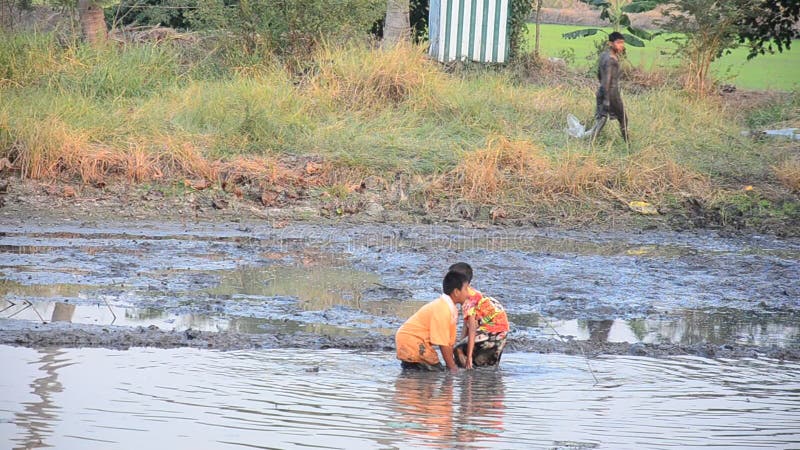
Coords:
618,110
599,123
600,115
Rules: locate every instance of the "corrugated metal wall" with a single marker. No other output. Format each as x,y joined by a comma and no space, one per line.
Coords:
469,29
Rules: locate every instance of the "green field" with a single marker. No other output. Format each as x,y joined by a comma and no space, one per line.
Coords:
778,72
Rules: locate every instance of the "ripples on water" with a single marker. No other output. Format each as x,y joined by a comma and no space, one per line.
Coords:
106,399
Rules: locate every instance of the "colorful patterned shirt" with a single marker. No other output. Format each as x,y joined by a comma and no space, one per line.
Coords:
488,312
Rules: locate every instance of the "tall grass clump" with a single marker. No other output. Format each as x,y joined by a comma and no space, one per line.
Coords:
788,172
258,115
26,58
136,70
363,78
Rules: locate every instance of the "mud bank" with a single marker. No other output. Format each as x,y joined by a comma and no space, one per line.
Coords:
77,336
248,283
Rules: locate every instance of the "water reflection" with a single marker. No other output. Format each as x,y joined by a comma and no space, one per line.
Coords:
599,329
481,404
12,288
446,408
184,398
424,402
37,418
63,312
686,327
316,288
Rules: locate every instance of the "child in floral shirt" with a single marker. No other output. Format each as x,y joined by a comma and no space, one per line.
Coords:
485,327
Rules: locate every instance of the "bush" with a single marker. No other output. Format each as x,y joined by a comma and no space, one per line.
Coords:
288,27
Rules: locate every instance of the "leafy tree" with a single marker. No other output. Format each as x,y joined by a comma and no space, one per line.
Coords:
616,12
711,28
768,23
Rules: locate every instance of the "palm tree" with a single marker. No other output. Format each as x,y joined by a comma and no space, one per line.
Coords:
93,22
397,27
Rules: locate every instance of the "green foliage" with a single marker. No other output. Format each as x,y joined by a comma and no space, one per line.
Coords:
641,6
80,99
752,209
708,29
519,12
168,13
768,23
658,56
615,12
581,33
24,58
290,27
107,73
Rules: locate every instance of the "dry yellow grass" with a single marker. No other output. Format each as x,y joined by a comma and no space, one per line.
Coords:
652,173
788,172
48,147
519,172
365,78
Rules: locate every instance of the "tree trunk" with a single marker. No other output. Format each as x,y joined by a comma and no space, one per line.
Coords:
397,27
538,27
93,22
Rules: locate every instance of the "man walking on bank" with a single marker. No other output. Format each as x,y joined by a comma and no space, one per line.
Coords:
609,100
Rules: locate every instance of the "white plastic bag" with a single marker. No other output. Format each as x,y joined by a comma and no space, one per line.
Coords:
574,127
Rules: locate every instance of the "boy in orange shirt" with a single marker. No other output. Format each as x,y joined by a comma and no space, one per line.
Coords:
433,324
485,327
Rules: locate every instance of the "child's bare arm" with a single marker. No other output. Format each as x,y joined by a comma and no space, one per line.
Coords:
472,327
449,359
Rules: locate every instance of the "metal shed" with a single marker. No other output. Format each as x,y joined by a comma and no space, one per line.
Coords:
474,30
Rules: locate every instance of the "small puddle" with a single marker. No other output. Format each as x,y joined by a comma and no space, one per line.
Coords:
102,314
316,288
247,299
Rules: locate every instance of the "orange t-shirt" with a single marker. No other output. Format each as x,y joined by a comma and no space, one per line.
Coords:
433,324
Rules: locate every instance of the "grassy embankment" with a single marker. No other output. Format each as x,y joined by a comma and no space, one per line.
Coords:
766,72
164,114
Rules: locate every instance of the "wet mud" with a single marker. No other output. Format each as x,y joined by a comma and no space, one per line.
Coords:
237,285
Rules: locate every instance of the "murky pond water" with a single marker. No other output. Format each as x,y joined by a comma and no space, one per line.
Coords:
185,398
361,282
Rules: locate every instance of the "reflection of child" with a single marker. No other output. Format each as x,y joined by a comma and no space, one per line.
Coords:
434,324
485,327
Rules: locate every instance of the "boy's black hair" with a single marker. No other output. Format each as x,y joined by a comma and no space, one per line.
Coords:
615,36
462,267
452,281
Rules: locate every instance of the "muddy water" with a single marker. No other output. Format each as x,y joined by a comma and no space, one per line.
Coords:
363,281
183,398
734,301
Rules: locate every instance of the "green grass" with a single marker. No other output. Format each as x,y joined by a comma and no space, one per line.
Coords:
71,111
766,72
